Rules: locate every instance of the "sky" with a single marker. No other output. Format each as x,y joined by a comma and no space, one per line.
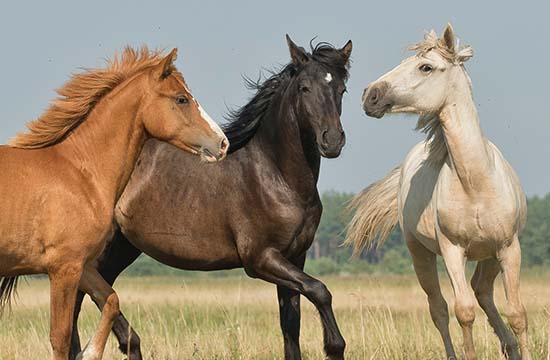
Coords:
220,41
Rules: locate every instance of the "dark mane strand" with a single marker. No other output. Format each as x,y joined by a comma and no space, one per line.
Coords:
245,121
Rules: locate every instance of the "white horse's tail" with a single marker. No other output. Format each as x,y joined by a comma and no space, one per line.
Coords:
374,213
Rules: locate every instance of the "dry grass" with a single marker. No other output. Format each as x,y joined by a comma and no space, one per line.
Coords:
381,317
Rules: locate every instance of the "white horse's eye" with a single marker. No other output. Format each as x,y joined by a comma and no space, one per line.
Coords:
426,68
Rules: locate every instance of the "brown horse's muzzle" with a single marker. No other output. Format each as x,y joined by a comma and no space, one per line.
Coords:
376,99
215,153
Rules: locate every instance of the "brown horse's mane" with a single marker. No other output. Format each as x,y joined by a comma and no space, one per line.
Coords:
80,94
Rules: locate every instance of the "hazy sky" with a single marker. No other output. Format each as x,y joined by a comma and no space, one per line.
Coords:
43,42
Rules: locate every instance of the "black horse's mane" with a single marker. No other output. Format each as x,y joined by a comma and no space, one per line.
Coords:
245,121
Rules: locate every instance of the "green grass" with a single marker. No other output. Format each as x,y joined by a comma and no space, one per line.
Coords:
381,317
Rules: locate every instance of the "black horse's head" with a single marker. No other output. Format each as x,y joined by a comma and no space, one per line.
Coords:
311,87
317,85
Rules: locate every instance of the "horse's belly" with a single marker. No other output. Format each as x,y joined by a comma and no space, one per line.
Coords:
185,251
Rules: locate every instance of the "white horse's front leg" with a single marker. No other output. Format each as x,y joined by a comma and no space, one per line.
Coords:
455,261
510,262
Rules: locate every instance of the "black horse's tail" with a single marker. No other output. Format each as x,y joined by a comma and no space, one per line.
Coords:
8,288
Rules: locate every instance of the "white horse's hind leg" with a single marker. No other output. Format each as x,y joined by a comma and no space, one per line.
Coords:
106,299
510,262
483,284
455,261
425,266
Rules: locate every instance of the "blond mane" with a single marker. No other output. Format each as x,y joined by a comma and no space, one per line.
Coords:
80,94
457,55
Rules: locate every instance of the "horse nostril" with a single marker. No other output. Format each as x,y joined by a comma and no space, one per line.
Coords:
224,145
374,96
324,136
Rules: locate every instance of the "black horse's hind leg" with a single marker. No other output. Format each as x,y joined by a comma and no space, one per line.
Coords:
118,255
289,311
272,266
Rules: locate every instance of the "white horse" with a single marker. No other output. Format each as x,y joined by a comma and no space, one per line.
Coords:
454,195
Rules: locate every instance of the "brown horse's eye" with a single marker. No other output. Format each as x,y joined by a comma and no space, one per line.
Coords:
181,100
426,68
304,88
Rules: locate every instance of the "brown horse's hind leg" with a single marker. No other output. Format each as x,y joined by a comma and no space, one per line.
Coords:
275,268
510,263
483,284
63,288
106,299
425,266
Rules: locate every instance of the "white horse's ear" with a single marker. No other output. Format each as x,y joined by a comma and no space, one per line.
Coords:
449,38
464,54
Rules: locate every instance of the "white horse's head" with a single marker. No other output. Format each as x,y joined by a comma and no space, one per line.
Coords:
422,82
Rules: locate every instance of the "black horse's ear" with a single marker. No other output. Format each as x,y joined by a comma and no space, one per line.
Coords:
346,50
297,54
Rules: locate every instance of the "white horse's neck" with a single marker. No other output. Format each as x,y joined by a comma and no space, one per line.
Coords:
465,142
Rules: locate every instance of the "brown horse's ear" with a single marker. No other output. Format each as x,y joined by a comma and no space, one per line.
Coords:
297,54
346,50
166,65
449,38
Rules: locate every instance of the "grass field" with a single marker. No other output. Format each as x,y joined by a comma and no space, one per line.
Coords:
381,317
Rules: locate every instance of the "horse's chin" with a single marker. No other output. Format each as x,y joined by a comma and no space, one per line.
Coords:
330,154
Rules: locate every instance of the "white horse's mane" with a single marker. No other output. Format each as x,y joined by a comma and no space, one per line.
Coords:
457,55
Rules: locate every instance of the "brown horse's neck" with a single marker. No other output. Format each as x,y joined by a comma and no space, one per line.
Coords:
294,153
107,144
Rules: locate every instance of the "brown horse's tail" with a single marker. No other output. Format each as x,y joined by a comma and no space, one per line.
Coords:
8,288
374,213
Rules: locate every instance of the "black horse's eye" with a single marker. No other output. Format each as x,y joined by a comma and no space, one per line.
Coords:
181,100
304,88
426,68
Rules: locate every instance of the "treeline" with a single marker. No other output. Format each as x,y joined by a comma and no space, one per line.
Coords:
328,256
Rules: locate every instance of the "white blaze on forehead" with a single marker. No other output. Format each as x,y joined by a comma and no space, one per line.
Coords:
328,78
215,127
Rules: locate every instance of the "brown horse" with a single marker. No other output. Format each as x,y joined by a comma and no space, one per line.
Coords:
259,209
61,180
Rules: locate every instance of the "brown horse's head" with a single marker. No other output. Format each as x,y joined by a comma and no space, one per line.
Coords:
171,113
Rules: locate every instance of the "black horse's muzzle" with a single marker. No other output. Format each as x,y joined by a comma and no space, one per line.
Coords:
331,142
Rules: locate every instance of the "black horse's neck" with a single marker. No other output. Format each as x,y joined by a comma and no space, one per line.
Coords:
291,149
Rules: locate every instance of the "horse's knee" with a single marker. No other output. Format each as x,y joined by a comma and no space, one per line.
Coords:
112,306
318,292
60,340
465,312
517,318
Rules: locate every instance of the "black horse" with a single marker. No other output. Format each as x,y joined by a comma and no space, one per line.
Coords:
258,210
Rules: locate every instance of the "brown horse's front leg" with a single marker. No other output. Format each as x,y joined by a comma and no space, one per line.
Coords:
63,287
289,311
275,268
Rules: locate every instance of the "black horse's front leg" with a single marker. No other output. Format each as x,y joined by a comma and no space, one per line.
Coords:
289,311
272,266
